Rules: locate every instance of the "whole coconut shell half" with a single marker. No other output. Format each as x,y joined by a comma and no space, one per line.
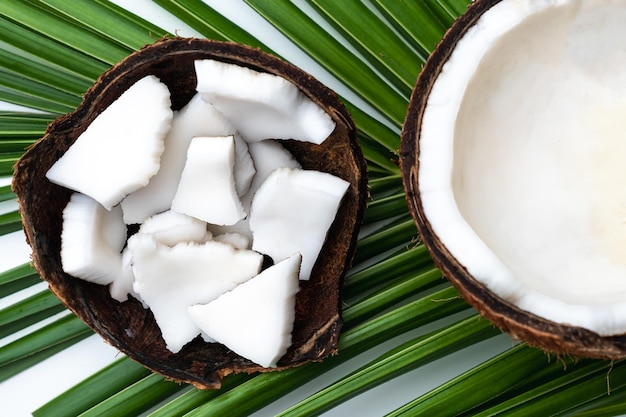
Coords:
549,335
128,326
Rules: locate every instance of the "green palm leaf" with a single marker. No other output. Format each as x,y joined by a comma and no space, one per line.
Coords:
51,52
109,381
17,278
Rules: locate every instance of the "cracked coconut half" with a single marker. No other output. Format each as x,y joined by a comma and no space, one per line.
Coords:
165,258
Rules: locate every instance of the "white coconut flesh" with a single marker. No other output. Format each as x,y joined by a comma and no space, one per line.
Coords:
267,155
170,279
270,155
196,118
168,228
207,184
236,240
92,240
127,135
122,285
171,227
248,99
292,212
194,240
260,332
522,156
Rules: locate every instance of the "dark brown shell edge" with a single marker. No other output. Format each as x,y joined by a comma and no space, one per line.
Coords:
128,326
536,331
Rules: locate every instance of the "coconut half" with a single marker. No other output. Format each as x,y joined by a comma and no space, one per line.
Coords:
512,156
128,325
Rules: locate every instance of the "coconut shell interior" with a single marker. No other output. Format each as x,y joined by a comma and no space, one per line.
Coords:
128,326
535,330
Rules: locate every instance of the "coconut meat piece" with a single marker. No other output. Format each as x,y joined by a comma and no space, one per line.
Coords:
236,240
207,186
292,212
122,285
91,240
261,105
196,118
171,227
267,155
260,331
168,228
120,150
170,279
522,155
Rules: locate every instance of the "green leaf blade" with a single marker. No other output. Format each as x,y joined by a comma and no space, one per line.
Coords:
10,222
495,376
107,20
136,398
97,388
421,23
23,41
322,47
38,20
374,39
396,362
41,344
28,311
208,22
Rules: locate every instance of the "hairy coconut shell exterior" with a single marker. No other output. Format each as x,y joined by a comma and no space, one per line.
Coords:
522,325
128,326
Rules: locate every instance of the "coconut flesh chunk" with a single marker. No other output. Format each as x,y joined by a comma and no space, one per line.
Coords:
91,240
292,212
122,286
267,155
207,185
236,240
196,118
261,331
120,150
261,105
522,157
169,279
170,228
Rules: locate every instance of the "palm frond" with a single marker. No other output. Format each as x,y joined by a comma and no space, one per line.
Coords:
53,50
97,388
